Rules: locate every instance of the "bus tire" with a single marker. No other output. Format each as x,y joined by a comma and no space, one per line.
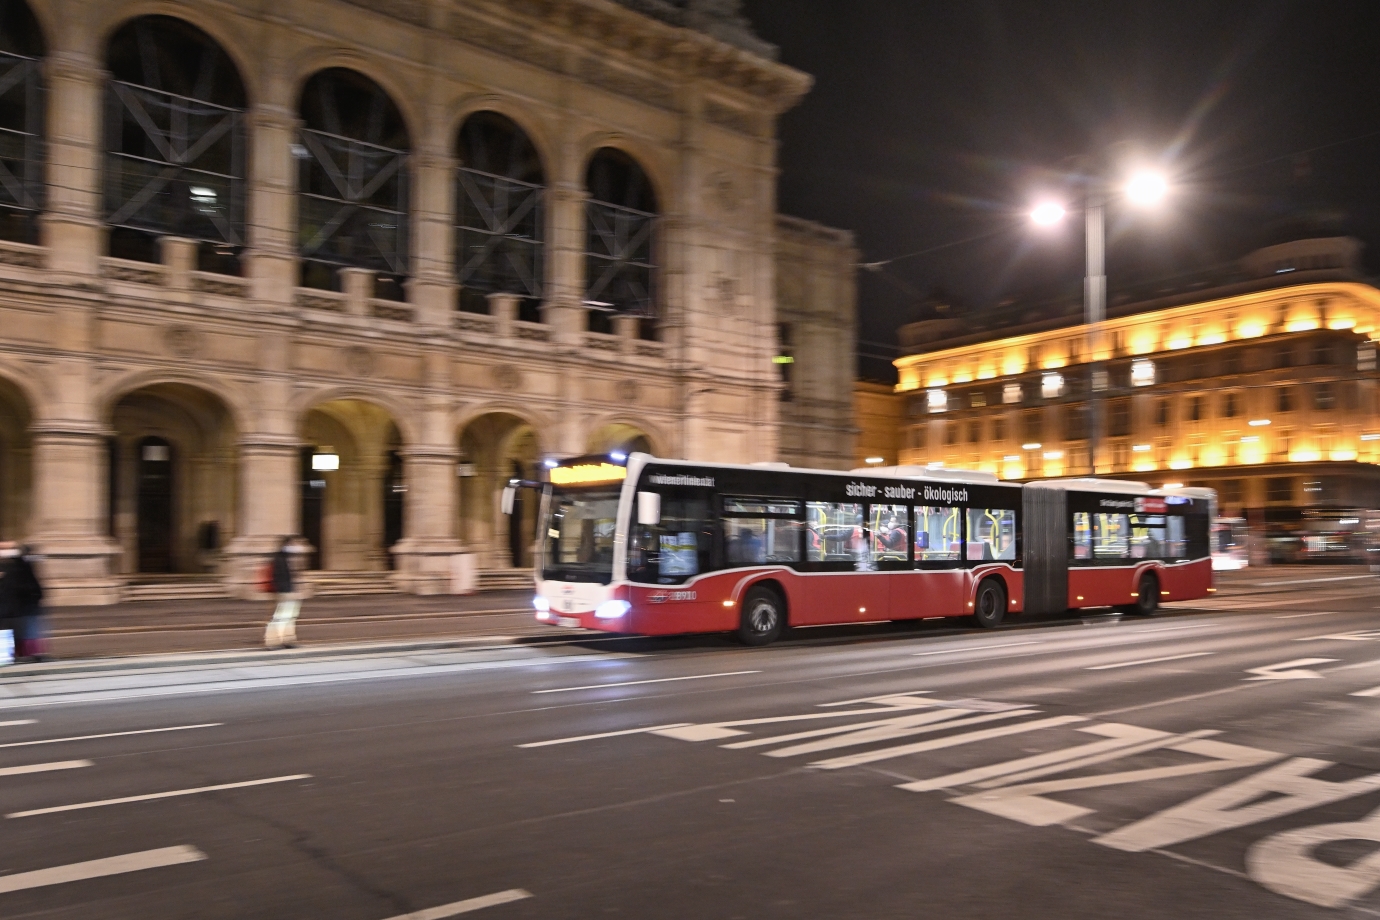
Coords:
989,607
1147,597
763,618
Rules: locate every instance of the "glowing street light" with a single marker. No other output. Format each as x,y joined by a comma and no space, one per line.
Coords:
1146,188
1048,213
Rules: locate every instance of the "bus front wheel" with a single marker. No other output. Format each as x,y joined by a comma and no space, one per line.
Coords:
989,607
1147,597
763,618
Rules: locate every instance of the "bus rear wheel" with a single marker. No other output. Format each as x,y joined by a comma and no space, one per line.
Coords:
763,618
989,607
1147,597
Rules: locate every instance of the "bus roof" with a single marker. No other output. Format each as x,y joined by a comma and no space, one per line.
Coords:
887,472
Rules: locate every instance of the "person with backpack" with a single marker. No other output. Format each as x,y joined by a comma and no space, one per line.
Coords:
282,628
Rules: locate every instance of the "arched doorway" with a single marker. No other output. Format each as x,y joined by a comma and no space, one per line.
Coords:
352,487
16,464
620,437
173,479
494,448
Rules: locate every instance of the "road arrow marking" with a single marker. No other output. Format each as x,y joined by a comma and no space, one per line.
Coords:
1279,672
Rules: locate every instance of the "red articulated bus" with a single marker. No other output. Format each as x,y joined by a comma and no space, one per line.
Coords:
637,544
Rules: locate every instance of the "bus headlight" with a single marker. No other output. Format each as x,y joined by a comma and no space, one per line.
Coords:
542,606
612,610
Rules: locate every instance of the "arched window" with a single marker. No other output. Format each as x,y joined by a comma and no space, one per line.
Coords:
620,246
353,208
175,142
21,123
500,218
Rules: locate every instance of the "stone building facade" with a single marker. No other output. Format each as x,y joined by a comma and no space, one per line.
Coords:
816,330
1263,387
343,267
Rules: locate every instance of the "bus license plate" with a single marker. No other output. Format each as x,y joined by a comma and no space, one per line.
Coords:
569,622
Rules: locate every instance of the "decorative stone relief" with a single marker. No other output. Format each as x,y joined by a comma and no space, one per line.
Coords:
359,360
734,119
723,192
628,391
182,341
507,377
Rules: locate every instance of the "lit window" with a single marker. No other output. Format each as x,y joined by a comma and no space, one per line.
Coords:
1011,393
938,400
1052,385
1142,373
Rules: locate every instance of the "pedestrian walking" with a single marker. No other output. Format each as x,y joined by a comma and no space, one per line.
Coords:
21,602
282,628
9,603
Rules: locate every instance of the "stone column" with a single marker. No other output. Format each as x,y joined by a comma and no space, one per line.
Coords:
504,309
564,308
432,287
270,508
71,226
358,285
271,260
429,515
70,519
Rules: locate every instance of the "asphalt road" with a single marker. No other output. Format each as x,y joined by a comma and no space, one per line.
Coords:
1207,763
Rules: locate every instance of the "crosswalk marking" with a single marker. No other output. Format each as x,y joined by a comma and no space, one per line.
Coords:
158,795
44,767
99,868
465,907
142,731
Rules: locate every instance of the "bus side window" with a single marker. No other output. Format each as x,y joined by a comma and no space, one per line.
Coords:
938,533
1082,535
1175,546
888,526
991,534
1111,536
834,532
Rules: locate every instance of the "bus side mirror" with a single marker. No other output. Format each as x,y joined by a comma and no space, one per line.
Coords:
509,495
648,508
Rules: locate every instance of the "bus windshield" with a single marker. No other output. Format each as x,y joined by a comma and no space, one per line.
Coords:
579,536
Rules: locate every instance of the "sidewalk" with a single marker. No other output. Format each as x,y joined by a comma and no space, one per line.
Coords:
163,627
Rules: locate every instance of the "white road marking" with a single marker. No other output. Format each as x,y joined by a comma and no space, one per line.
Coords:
884,730
142,731
906,694
465,907
626,731
973,648
659,680
44,767
1360,635
1131,664
158,795
1288,670
1299,616
920,747
99,868
1160,629
1305,581
17,722
1287,863
1372,692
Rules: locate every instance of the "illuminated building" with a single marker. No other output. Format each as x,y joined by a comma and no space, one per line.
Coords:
343,268
1263,388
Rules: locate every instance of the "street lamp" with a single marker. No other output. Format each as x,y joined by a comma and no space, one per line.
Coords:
1144,188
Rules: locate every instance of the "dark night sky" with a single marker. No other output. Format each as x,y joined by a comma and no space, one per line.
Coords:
933,122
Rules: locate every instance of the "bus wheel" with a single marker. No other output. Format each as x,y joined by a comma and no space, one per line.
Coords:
990,605
763,619
1147,597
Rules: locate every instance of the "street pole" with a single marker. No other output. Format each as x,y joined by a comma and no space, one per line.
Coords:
1094,311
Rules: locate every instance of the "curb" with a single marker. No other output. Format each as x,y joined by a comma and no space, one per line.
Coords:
48,669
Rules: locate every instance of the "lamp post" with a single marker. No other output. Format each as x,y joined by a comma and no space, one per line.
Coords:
1143,189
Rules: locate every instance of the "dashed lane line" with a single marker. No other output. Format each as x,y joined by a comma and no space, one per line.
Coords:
972,648
45,767
1300,616
659,680
1131,664
99,868
158,795
465,907
626,731
13,722
142,731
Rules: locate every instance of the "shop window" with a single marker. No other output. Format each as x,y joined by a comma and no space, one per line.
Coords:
888,533
991,534
938,534
834,532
